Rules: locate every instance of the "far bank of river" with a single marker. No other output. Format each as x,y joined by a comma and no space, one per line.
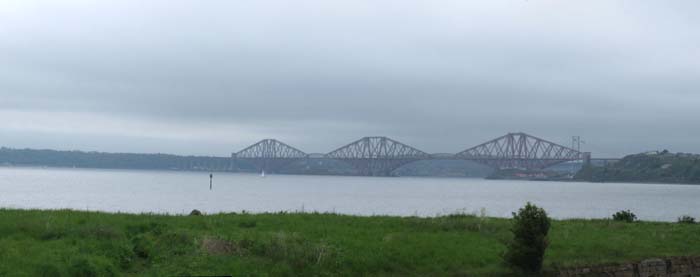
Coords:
651,167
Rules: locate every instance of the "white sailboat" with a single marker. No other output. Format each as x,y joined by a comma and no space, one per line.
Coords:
262,174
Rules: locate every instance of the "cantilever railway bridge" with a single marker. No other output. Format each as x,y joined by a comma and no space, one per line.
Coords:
380,156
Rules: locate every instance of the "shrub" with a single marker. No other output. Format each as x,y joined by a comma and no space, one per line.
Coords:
195,212
530,228
625,216
686,219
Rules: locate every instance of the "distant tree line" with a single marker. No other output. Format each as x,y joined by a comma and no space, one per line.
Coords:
54,158
319,166
660,167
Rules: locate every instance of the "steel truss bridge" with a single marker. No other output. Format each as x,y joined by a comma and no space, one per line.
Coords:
380,156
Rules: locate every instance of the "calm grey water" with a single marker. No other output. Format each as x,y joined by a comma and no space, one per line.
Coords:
179,192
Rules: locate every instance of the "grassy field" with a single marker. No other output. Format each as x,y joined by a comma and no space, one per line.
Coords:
72,243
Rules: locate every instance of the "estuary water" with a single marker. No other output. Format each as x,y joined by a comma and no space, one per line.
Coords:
174,192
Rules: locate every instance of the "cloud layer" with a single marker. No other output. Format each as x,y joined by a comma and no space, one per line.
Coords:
194,77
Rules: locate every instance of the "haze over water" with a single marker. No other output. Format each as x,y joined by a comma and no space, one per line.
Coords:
174,192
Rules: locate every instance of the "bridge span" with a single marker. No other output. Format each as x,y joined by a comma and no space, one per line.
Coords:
380,156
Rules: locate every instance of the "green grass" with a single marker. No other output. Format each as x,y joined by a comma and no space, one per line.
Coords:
72,243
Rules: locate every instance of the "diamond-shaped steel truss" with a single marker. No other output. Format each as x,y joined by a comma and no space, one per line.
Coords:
519,150
380,156
377,156
270,155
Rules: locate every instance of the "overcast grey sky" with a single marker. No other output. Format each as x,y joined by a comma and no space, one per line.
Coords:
211,77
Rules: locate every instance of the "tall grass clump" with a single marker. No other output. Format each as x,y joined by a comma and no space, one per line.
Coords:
86,266
624,216
530,228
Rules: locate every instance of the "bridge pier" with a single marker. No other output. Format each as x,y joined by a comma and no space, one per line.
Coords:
586,159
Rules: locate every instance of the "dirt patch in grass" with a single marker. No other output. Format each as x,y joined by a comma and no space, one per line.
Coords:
216,246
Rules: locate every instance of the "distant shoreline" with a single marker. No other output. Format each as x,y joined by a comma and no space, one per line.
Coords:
103,160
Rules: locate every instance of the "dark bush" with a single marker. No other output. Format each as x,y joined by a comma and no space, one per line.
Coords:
195,212
686,219
625,216
530,228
